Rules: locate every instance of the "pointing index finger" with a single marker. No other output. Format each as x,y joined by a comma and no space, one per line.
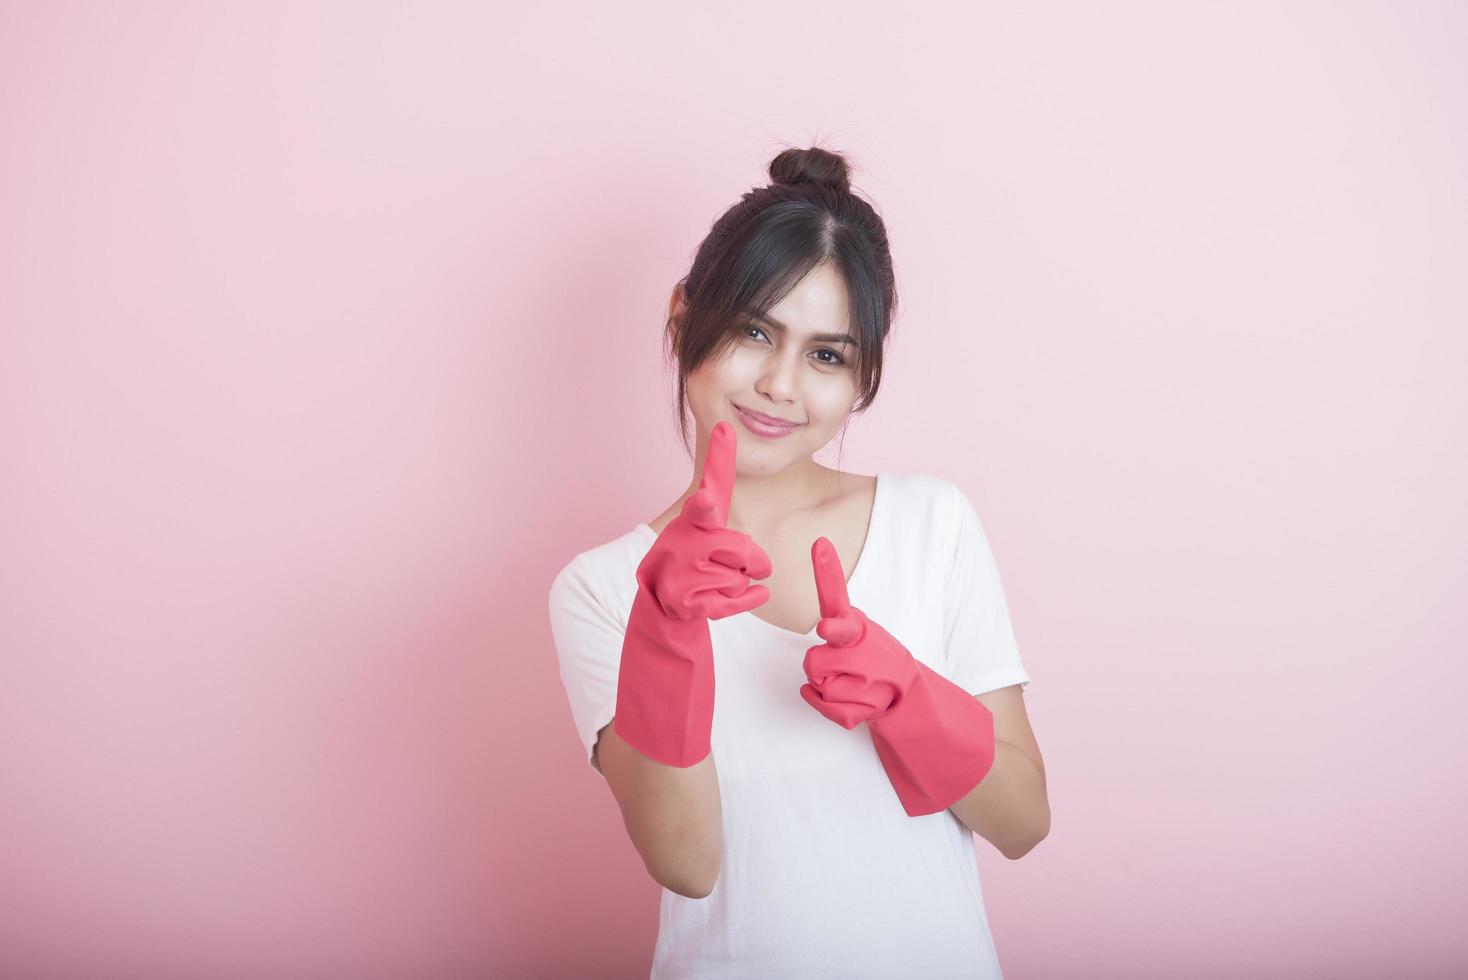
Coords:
830,579
716,484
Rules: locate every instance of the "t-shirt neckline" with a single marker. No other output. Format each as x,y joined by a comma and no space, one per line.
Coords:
861,560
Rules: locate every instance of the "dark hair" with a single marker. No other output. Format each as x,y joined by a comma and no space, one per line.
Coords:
764,244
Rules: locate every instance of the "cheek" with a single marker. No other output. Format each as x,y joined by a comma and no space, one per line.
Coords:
742,357
715,381
740,369
833,401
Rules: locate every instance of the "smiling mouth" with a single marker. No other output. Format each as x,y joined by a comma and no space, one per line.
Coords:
767,419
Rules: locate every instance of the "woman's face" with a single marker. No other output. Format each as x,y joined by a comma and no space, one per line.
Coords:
798,366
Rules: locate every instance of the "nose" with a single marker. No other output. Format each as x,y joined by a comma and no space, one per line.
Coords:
777,380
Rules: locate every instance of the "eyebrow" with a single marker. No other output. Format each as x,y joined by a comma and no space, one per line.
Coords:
828,338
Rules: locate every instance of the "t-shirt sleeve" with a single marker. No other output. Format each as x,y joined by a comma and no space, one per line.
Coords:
978,639
588,640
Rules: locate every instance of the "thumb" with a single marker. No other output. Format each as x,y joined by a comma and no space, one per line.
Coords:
839,631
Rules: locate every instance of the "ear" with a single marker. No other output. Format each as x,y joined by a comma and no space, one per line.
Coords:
676,302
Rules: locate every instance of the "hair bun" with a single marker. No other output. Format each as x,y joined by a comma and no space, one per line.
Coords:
813,165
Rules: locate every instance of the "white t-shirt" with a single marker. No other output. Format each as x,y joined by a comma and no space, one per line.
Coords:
824,874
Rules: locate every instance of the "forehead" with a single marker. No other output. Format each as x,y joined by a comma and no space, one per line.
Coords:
817,304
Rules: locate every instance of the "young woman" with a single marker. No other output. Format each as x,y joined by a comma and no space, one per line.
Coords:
817,817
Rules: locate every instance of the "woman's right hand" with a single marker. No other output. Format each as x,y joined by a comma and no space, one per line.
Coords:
697,569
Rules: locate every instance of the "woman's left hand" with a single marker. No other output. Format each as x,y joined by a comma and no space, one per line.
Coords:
934,739
861,672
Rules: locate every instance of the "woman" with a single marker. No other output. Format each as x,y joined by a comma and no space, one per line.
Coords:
815,819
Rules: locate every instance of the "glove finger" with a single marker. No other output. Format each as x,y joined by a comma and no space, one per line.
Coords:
855,693
842,631
716,585
824,661
821,662
709,506
750,598
830,578
845,715
848,689
739,551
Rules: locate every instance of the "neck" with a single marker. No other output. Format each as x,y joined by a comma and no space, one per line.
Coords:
764,501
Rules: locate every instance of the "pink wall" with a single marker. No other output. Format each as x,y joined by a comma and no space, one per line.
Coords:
329,333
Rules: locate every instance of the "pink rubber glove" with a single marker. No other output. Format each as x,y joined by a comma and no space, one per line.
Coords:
935,739
696,570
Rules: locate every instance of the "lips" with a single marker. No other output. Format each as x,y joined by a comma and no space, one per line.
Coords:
767,419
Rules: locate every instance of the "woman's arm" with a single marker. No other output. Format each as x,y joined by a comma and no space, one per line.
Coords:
673,814
657,753
1010,807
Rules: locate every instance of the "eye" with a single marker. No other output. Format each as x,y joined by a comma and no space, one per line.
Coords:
839,360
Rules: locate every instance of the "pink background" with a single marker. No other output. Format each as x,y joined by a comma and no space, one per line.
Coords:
331,332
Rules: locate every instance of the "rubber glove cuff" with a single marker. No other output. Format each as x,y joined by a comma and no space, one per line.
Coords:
936,743
665,684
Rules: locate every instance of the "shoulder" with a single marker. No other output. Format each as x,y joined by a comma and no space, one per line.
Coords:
919,485
934,513
924,497
602,573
